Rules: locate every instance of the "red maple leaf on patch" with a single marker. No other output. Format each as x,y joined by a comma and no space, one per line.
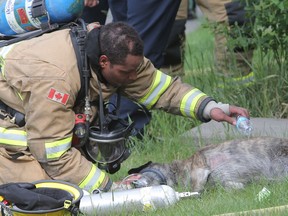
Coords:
58,96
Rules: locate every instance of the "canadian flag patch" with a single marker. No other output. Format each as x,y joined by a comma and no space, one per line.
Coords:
58,96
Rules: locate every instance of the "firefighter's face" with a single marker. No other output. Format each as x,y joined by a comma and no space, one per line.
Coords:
120,75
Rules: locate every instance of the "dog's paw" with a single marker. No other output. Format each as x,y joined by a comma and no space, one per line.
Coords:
127,183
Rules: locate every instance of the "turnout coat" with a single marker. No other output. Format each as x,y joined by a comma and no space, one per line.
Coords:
40,78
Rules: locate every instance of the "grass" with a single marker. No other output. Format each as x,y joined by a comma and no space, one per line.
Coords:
163,143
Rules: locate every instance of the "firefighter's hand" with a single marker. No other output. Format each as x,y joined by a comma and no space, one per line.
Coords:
91,3
218,115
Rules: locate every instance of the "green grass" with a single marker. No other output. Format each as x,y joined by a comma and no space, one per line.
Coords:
162,143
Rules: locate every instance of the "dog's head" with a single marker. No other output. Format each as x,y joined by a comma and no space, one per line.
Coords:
178,172
154,174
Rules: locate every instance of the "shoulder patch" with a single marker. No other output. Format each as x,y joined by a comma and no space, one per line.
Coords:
57,96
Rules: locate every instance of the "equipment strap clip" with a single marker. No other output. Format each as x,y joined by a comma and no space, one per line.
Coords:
38,8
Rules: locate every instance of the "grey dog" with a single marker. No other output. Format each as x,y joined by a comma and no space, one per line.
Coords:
232,164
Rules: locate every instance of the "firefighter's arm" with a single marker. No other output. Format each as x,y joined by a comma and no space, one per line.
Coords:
157,90
192,102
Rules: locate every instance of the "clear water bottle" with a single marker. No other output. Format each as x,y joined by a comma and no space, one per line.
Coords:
244,125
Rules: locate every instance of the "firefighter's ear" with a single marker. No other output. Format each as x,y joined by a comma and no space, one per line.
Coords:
103,60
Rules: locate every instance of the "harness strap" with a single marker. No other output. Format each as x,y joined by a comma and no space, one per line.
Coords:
78,36
11,114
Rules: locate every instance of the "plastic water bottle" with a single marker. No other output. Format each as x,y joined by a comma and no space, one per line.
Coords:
263,194
244,125
133,200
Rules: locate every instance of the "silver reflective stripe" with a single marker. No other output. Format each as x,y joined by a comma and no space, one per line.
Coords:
160,84
94,177
13,137
57,148
190,101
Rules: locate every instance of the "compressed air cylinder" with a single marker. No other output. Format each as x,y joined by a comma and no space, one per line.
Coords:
139,199
16,15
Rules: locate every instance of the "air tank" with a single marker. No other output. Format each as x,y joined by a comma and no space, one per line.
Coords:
16,15
125,201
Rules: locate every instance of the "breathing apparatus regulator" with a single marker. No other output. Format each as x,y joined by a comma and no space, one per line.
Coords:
108,141
104,141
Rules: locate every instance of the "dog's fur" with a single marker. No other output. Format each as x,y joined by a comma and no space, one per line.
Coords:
232,164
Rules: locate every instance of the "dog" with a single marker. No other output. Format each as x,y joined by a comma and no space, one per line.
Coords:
232,164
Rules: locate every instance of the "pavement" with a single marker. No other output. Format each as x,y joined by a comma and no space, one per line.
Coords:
222,131
193,24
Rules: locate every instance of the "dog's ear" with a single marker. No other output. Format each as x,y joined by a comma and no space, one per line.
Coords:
138,169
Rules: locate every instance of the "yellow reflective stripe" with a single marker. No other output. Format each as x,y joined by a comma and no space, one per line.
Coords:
20,96
13,137
57,148
160,84
189,102
3,53
93,180
5,50
245,80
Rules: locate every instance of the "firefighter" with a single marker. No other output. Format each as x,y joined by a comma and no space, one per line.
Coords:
232,60
40,78
173,63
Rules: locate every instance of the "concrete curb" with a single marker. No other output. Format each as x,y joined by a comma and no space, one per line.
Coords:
223,131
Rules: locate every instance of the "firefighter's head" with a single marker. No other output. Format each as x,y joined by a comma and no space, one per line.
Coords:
117,51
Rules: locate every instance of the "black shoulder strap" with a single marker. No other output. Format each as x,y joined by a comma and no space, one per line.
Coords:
8,40
78,35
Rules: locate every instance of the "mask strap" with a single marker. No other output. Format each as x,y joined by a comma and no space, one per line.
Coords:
102,120
101,110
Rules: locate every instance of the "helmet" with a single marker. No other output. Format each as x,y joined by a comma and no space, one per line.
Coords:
40,198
